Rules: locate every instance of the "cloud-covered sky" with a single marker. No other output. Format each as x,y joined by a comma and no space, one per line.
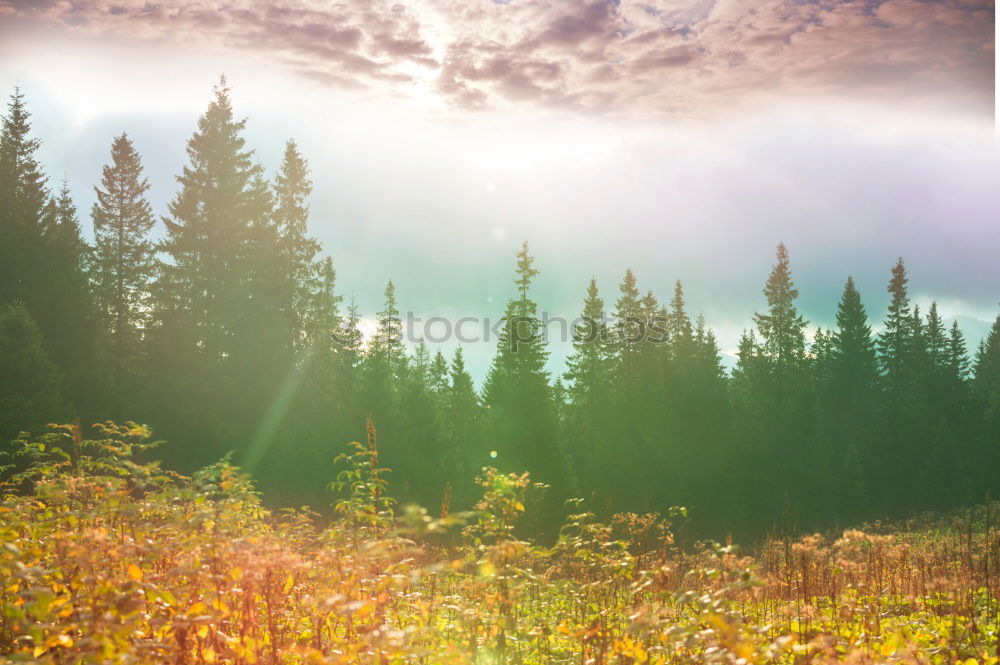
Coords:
655,57
683,139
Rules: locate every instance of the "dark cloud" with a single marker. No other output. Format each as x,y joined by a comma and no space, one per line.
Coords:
650,56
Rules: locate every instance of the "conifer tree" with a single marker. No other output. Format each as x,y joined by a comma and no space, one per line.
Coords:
23,201
312,305
849,397
517,393
937,341
464,428
986,392
855,371
628,332
782,328
902,357
895,340
679,327
421,446
439,373
42,256
123,266
777,396
218,329
209,229
957,356
30,382
589,373
384,363
388,340
588,367
65,304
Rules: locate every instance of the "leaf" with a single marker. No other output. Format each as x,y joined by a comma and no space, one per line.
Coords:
134,572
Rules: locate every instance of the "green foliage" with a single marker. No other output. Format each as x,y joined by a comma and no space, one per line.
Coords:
105,558
30,383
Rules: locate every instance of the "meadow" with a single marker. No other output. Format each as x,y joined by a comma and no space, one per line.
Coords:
108,558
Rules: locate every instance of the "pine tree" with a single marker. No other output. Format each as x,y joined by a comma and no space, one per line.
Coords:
23,201
517,393
312,306
628,331
345,379
464,430
679,327
986,393
957,359
219,334
388,340
30,382
124,266
42,256
630,462
937,341
777,396
855,370
894,342
209,229
849,400
422,449
384,362
439,373
589,371
782,327
64,304
904,438
588,367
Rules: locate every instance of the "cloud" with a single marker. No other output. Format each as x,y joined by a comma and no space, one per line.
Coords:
650,57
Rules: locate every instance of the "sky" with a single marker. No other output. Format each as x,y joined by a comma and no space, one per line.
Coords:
683,139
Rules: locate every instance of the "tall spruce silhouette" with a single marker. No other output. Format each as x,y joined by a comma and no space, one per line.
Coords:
124,265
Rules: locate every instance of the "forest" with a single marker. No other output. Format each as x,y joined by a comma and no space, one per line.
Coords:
226,334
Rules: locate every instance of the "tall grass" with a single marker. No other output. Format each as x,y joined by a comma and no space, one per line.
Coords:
104,559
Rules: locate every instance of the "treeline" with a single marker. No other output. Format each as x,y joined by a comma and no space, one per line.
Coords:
225,332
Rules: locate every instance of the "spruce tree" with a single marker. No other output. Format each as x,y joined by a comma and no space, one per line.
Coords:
517,393
589,373
43,257
219,336
679,324
384,363
64,304
780,399
469,450
904,431
311,304
439,373
421,450
849,401
30,382
986,393
23,200
895,340
209,228
782,328
855,369
628,331
588,367
123,268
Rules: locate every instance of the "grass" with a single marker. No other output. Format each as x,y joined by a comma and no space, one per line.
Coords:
104,559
